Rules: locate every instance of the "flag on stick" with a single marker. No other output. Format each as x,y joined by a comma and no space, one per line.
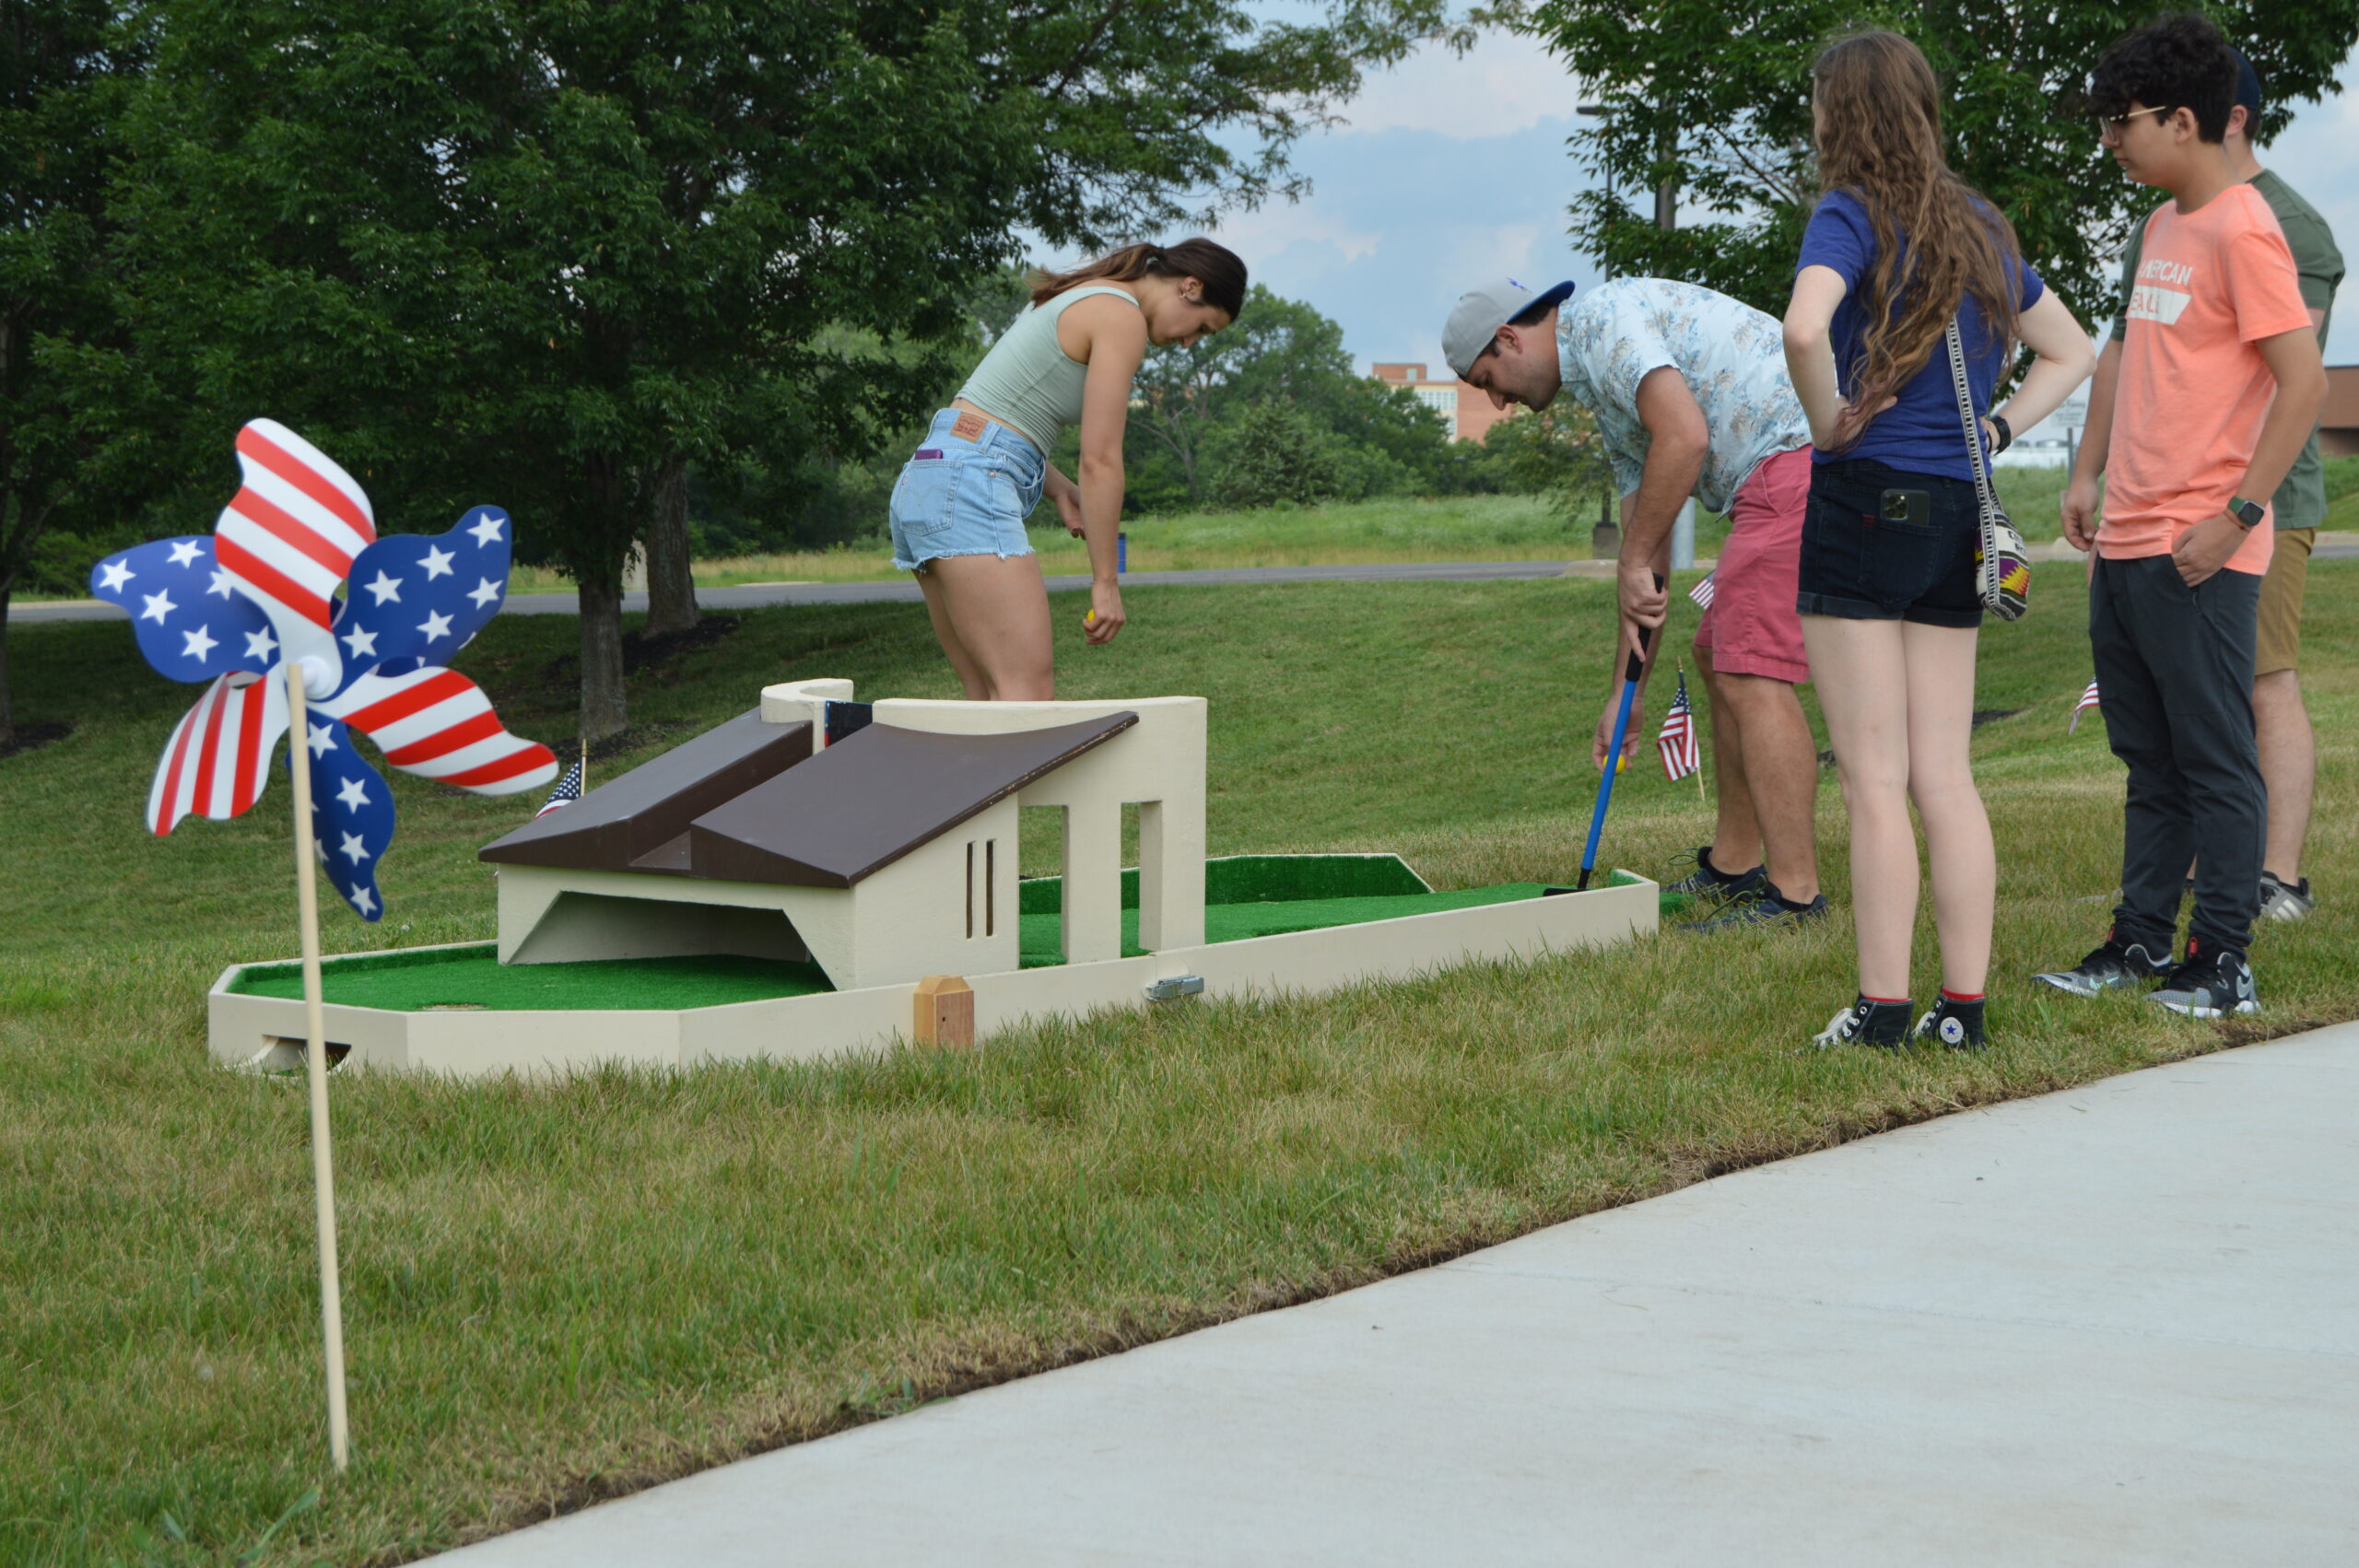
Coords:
567,791
1681,756
1702,592
2088,700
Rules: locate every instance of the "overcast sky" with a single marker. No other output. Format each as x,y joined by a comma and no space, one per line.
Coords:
1454,170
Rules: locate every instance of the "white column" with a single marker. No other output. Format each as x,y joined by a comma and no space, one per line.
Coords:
1171,873
1092,922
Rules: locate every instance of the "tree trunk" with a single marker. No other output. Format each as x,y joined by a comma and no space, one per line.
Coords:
603,708
671,586
7,710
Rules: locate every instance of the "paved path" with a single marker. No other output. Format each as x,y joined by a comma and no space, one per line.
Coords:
753,595
2116,1324
756,595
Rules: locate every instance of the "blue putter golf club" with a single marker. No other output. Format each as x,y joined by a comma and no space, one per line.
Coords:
1630,674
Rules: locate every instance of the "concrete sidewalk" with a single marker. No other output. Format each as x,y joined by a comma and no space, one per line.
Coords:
2115,1324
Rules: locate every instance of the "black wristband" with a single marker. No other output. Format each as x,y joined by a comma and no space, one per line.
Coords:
2006,435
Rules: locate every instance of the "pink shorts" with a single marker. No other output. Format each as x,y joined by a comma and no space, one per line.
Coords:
1751,628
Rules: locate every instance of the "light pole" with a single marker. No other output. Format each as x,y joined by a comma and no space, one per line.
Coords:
1606,539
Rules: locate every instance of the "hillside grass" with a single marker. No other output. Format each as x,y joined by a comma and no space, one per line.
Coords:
560,1291
1395,529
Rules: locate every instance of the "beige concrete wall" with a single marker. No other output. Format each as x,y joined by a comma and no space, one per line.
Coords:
1160,761
911,920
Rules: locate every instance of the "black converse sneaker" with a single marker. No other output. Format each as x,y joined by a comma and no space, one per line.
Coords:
1866,1022
1707,880
2209,985
2114,964
1952,1023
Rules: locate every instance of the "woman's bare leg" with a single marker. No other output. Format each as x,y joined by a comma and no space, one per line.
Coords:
969,673
1941,781
1863,691
992,617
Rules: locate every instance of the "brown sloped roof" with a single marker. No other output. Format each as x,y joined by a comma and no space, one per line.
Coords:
639,821
869,798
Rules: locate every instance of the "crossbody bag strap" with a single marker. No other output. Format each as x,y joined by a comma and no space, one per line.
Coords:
1966,414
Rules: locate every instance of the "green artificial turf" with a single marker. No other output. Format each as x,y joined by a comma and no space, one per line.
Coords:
1260,879
474,978
1235,922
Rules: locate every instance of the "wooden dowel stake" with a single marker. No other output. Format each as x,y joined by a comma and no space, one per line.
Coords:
315,1057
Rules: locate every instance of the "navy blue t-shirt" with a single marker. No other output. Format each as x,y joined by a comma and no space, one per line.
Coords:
1920,433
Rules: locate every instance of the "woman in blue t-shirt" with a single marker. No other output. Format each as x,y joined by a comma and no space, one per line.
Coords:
1888,595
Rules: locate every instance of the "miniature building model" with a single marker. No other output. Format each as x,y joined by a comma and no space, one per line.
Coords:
884,855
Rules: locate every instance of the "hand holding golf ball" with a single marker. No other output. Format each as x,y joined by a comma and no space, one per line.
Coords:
1104,617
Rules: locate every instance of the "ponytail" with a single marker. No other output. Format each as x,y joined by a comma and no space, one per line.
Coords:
1216,267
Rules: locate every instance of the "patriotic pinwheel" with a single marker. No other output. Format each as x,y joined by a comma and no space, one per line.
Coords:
234,609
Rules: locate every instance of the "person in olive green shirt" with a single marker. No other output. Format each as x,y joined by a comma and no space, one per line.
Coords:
2280,723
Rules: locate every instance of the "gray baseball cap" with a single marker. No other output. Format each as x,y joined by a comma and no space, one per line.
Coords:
1481,312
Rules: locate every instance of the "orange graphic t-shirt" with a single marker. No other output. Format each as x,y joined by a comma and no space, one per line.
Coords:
2194,390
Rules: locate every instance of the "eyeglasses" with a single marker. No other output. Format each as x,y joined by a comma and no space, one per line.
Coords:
2113,126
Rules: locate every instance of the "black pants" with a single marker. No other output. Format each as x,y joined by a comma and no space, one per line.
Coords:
2174,683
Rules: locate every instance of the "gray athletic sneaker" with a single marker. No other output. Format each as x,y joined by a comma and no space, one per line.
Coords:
2284,900
2114,966
2209,985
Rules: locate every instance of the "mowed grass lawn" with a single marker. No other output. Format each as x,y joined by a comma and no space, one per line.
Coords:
1393,529
556,1292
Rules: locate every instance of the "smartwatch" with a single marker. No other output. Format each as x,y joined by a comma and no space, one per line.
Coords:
2247,513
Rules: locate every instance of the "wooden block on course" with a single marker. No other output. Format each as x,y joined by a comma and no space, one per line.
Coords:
946,1012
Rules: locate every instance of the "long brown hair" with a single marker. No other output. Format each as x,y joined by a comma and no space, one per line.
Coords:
1880,138
1215,266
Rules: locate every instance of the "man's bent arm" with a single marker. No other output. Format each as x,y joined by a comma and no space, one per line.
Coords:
2293,357
1678,438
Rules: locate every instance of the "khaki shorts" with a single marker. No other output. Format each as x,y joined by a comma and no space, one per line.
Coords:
2279,646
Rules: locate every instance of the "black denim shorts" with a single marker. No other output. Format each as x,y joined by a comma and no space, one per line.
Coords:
1860,566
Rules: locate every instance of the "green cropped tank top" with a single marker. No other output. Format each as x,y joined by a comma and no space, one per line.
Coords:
1028,379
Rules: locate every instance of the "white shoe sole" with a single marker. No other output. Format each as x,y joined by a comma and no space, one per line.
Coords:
2071,986
2189,1010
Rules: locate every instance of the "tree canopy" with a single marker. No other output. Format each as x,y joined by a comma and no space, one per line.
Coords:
1714,98
553,254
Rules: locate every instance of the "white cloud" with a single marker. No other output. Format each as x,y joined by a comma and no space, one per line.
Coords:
1503,85
1282,225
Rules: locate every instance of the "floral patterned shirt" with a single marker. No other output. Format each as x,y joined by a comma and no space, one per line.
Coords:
1732,356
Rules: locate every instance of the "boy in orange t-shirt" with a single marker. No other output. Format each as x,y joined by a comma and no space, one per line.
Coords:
2218,385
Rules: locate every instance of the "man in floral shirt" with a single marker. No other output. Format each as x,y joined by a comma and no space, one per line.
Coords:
1690,394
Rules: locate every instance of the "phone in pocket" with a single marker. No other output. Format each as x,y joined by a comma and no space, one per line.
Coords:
1909,509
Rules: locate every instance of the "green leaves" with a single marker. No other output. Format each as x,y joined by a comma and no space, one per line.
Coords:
1713,99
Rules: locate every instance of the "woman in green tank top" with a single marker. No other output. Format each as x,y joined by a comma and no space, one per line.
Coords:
958,508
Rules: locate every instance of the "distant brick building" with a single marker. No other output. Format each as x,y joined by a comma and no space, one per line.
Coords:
1466,410
2338,422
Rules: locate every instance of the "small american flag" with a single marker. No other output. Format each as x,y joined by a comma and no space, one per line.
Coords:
2088,700
567,791
1702,592
1681,756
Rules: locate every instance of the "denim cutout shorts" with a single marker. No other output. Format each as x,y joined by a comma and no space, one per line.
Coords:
1858,566
965,497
